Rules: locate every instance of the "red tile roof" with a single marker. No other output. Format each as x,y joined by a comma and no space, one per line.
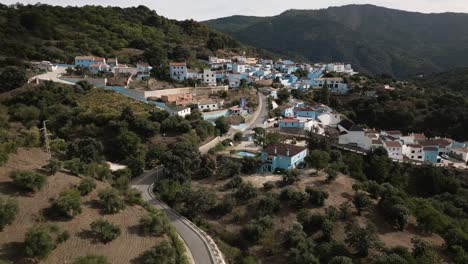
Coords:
392,144
177,64
282,149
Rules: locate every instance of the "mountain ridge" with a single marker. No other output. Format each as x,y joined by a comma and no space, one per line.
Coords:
374,39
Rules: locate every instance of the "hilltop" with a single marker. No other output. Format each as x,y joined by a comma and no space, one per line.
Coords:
373,39
58,34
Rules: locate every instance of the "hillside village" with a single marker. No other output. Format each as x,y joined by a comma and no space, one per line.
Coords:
224,74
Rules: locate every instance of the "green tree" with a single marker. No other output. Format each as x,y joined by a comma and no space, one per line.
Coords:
222,125
290,176
318,159
91,259
245,192
38,242
68,203
341,260
362,202
53,167
86,185
111,200
8,212
88,150
154,224
27,180
283,96
362,239
163,253
332,174
316,197
345,210
104,230
12,78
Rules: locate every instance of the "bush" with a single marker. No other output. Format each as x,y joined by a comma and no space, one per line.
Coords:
245,192
38,242
91,259
133,196
8,211
154,224
86,185
68,204
28,180
162,253
111,200
62,237
267,186
290,176
238,137
268,205
53,167
105,231
234,183
362,202
316,197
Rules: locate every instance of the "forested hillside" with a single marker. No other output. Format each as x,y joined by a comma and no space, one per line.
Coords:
374,39
43,32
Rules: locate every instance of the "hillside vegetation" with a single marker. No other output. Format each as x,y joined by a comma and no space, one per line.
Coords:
374,39
43,32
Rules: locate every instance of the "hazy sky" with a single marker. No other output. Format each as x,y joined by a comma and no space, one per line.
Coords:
207,9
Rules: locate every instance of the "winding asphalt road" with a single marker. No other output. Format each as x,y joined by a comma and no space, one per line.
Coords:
192,236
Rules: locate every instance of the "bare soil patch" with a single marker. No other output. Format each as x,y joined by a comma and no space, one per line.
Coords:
124,249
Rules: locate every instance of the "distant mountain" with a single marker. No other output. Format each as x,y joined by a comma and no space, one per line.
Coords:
44,32
374,39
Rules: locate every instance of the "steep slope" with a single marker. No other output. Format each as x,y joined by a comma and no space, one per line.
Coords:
59,33
375,39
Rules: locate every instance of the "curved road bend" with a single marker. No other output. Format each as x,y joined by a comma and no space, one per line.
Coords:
194,242
198,248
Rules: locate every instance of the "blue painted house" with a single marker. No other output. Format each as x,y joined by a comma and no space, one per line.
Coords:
314,75
86,61
291,123
282,157
287,110
305,111
431,155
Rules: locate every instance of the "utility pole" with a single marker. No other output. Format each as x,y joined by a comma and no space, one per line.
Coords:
46,138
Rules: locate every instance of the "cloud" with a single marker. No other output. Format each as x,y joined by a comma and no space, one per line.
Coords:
208,9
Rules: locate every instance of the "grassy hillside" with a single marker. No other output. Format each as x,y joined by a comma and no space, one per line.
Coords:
374,39
55,33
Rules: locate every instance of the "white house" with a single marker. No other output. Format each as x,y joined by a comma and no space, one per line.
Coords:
209,105
239,68
143,70
98,67
355,136
394,149
460,153
178,70
331,119
335,84
414,152
209,77
125,70
180,111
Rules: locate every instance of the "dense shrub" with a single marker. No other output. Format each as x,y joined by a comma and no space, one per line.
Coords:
86,185
154,224
27,180
8,211
105,231
111,200
91,259
68,203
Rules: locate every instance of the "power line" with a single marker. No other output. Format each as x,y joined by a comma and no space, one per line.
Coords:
46,138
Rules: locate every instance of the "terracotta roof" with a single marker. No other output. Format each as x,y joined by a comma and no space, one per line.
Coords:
414,145
143,64
84,58
177,64
419,136
286,106
289,120
441,142
465,149
431,149
376,142
282,149
392,144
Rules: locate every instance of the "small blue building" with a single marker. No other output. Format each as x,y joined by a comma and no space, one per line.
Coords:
287,110
305,111
291,123
282,156
431,155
